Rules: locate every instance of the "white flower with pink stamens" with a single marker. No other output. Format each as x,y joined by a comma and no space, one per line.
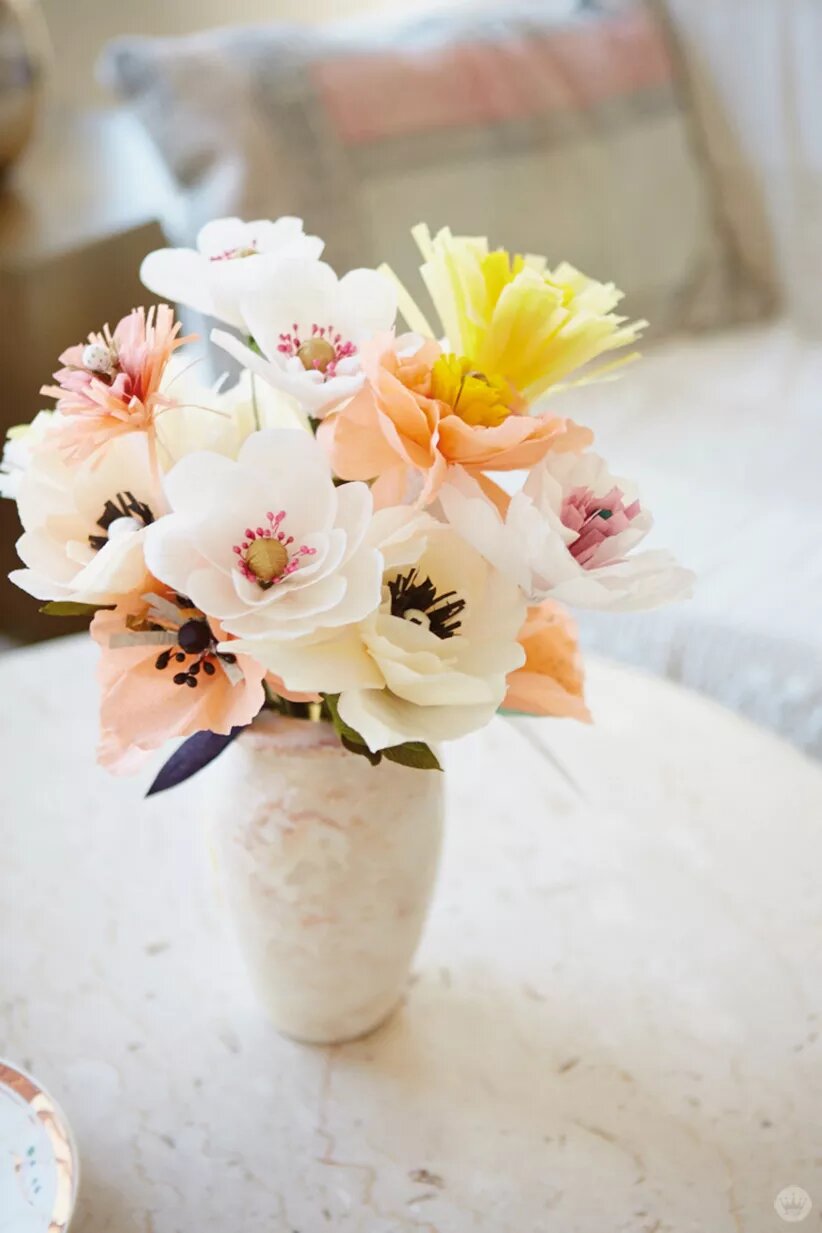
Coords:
230,253
568,536
308,326
266,544
431,662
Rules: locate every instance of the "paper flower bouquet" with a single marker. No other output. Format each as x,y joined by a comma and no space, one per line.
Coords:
332,537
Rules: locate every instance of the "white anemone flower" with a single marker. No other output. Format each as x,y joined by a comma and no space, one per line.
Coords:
431,663
308,326
569,535
266,544
21,443
212,277
85,527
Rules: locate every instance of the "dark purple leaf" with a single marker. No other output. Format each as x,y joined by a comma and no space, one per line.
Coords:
191,757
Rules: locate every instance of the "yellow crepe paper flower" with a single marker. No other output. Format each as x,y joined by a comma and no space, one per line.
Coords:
514,319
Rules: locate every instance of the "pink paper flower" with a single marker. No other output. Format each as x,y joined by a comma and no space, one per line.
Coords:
161,677
570,535
111,384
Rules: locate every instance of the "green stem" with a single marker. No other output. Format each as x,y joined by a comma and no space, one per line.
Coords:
255,405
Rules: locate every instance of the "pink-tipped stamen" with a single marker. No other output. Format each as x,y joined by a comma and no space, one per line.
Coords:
291,341
270,532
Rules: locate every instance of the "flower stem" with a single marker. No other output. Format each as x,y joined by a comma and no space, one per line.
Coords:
254,402
255,405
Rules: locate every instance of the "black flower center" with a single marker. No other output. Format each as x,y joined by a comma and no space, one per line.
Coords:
123,505
192,649
194,636
191,660
416,599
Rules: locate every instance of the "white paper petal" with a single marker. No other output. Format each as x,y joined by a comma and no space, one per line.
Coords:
222,235
180,276
368,304
327,666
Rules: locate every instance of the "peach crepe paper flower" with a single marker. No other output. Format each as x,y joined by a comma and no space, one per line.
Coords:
141,705
551,680
111,384
394,431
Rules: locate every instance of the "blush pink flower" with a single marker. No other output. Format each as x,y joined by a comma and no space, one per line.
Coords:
161,676
550,682
420,413
112,383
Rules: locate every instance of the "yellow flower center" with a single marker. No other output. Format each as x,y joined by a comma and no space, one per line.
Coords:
479,399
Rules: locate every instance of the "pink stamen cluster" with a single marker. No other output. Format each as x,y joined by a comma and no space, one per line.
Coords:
272,531
291,342
232,254
595,519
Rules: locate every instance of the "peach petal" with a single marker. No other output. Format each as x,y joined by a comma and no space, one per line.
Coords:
519,442
551,681
393,423
355,443
141,708
277,686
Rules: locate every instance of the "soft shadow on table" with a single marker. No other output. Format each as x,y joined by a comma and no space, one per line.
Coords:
522,1062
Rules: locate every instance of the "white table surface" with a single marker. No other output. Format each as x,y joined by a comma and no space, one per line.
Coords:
613,1026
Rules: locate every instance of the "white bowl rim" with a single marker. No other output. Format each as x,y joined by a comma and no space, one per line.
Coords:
59,1133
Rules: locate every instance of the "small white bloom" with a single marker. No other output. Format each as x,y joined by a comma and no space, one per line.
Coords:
215,417
568,536
21,442
266,544
213,277
431,663
84,527
309,326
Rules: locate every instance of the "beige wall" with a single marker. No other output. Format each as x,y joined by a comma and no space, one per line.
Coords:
79,28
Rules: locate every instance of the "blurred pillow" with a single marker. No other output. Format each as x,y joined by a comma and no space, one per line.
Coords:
764,139
568,138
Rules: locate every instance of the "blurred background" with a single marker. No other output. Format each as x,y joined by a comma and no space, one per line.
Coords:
674,146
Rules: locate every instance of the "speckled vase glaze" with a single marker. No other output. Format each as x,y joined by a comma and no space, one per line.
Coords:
327,865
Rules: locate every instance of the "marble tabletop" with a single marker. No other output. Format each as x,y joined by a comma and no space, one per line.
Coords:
613,1025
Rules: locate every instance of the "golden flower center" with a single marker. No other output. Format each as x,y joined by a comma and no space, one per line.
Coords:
317,353
479,399
267,559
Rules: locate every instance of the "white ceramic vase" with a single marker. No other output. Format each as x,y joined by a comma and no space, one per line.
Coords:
327,865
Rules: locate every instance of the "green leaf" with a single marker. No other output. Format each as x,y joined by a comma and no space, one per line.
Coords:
340,726
360,748
413,753
349,737
68,608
